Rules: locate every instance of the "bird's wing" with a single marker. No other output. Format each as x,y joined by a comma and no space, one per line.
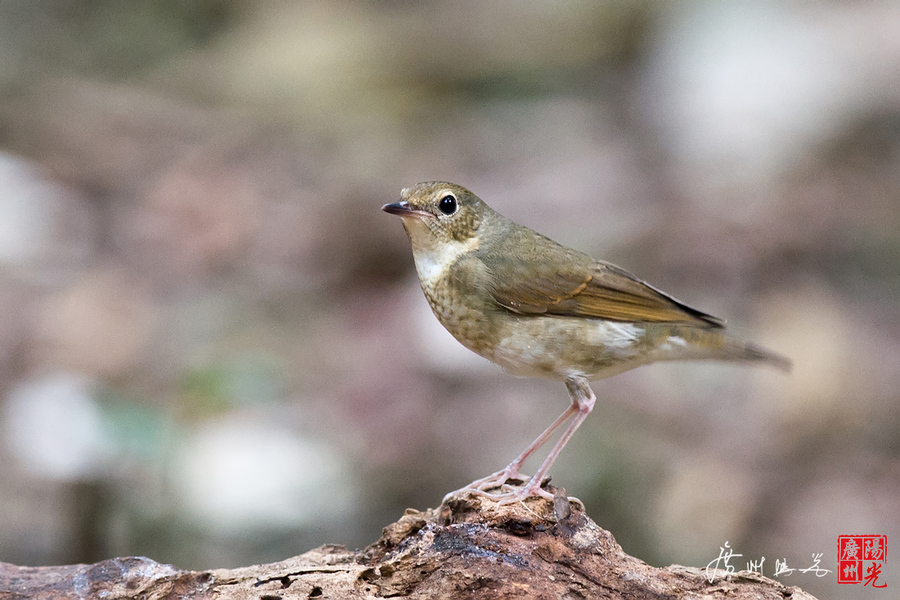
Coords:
567,283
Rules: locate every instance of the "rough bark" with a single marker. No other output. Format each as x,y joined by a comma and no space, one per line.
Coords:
469,547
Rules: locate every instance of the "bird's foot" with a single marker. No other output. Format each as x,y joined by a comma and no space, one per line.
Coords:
510,494
498,480
504,480
505,487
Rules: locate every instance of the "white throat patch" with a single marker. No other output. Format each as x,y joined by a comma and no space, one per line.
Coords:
432,263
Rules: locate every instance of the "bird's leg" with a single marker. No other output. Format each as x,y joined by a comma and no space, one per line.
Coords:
511,471
583,399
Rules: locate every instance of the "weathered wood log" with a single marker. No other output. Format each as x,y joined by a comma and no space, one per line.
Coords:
469,547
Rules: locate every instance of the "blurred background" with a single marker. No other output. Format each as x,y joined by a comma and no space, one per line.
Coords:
213,347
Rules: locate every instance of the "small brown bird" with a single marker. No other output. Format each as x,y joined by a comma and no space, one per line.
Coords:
539,309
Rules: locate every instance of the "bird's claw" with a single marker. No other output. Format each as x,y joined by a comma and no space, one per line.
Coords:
498,479
508,483
511,494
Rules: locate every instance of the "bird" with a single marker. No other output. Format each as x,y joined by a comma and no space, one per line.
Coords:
540,309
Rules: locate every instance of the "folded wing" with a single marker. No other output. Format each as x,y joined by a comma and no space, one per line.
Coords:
585,287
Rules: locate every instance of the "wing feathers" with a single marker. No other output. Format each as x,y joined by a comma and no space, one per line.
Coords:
589,288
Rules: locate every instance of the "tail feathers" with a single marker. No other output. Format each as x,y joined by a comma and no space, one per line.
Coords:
758,353
714,344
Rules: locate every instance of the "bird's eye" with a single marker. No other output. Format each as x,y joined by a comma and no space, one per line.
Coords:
447,205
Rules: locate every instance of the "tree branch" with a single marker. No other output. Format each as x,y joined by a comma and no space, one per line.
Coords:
469,547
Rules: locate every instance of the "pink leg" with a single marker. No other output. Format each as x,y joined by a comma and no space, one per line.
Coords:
583,400
512,469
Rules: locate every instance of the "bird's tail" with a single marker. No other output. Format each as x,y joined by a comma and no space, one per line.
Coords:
690,342
751,352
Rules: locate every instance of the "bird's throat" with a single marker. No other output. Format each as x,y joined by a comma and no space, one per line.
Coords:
434,258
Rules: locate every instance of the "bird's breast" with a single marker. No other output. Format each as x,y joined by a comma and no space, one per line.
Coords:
461,302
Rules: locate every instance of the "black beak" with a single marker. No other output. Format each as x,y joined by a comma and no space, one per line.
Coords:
397,208
403,209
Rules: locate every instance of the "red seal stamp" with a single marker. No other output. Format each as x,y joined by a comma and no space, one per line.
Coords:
861,559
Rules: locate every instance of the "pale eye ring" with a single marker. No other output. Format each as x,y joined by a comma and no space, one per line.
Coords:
447,204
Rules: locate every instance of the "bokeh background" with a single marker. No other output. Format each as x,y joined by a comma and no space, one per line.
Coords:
214,350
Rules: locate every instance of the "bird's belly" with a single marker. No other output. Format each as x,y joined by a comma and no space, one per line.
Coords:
559,347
